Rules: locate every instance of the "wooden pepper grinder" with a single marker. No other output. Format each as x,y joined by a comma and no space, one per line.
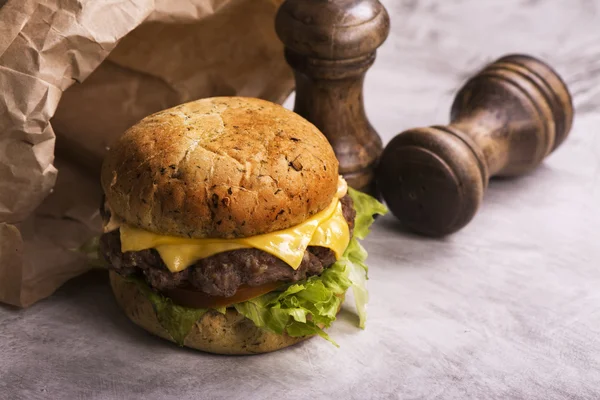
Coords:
330,44
504,121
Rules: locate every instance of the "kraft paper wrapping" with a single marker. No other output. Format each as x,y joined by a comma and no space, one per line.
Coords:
73,76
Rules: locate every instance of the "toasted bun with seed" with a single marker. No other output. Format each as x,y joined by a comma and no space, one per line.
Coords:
231,333
220,167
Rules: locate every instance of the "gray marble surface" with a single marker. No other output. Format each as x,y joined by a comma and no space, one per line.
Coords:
508,308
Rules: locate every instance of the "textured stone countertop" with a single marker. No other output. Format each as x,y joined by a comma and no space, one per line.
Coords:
509,307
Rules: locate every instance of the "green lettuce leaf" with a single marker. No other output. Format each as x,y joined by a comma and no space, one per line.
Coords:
354,263
355,255
90,250
176,319
302,307
366,207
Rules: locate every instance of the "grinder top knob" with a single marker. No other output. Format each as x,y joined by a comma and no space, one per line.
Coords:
332,30
504,121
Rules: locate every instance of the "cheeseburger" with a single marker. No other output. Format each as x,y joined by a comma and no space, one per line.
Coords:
228,229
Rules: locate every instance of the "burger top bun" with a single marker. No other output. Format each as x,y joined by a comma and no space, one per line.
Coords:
220,167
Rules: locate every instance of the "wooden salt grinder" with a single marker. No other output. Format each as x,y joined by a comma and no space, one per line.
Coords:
504,121
330,44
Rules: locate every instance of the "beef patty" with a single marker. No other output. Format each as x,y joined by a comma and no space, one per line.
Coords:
222,273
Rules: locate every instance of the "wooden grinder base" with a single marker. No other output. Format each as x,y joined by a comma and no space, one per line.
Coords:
504,121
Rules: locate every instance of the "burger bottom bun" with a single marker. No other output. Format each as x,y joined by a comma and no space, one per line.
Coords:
231,333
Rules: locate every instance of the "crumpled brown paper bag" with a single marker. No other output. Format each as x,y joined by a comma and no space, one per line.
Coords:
86,70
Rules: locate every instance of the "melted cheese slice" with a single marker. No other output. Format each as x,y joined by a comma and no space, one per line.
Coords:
327,228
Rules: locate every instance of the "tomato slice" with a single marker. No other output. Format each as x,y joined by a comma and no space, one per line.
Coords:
191,298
